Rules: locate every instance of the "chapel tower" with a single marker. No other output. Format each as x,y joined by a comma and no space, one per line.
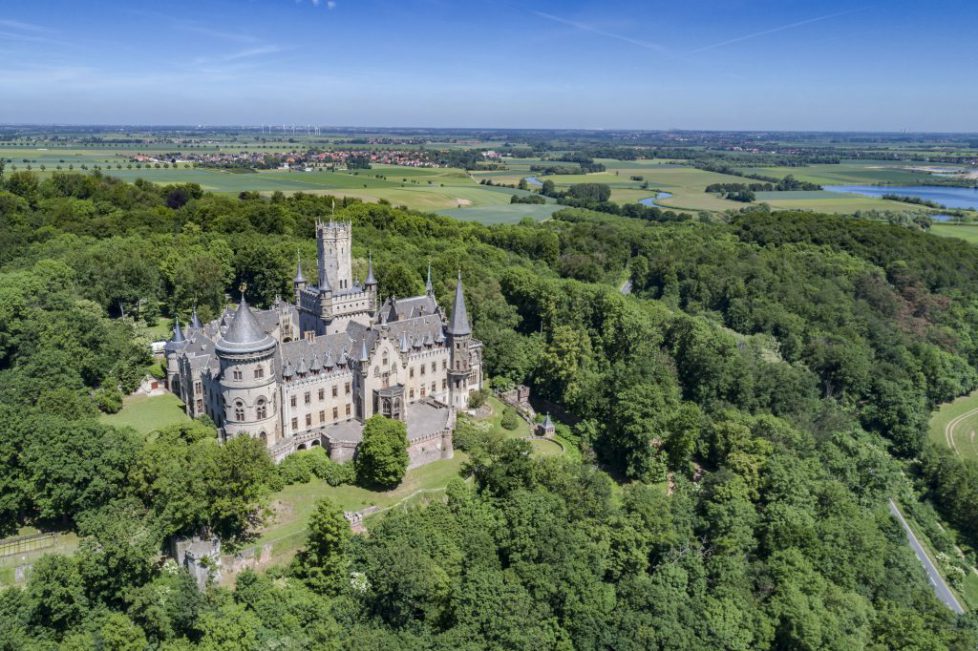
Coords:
459,336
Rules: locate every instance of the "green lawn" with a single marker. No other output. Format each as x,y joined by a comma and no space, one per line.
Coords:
966,232
955,425
145,414
64,543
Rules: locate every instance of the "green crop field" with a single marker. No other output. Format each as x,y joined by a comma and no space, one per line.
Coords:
863,172
955,425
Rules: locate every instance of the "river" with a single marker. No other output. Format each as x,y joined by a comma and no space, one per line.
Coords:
650,201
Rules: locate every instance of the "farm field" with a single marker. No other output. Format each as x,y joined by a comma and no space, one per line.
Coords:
824,201
955,425
862,172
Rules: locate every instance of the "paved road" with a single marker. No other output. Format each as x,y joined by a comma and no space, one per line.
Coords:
940,587
626,287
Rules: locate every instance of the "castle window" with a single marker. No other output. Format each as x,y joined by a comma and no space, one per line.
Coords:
292,401
307,398
347,388
444,364
259,372
262,409
295,424
422,391
444,384
308,420
322,395
198,388
336,413
239,413
411,394
322,416
411,372
336,390
236,374
432,387
347,409
434,367
422,368
385,359
200,405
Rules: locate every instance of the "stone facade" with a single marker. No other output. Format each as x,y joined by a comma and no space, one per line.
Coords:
309,373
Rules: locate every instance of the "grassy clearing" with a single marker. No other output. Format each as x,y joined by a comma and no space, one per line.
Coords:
966,232
955,425
63,544
504,214
145,414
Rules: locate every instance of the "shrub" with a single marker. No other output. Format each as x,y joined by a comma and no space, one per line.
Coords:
108,399
510,420
477,399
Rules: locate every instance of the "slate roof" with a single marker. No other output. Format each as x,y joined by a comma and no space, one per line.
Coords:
459,322
245,334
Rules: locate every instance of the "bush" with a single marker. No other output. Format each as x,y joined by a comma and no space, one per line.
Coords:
510,420
108,399
477,399
335,474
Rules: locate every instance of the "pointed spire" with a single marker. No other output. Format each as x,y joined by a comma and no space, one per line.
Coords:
245,334
177,332
404,342
299,278
195,320
428,288
459,324
370,281
363,351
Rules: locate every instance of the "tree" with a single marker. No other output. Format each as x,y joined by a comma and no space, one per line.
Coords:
322,563
55,594
382,457
398,279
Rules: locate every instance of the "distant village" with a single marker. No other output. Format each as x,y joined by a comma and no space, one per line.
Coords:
356,158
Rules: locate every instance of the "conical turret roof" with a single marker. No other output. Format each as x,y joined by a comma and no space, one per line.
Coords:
177,341
244,335
195,320
364,356
370,272
299,278
459,323
428,288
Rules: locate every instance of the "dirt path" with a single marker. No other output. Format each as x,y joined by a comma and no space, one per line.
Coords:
949,429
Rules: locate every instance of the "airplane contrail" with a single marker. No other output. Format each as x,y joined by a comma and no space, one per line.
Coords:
594,30
773,30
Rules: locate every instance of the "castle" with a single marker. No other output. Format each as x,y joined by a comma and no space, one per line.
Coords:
309,373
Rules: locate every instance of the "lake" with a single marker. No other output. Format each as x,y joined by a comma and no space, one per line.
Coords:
946,196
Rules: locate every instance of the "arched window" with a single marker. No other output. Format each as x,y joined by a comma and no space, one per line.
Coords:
262,409
239,414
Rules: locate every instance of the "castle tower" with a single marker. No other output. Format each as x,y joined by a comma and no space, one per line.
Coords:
334,241
171,350
299,282
459,335
248,379
370,285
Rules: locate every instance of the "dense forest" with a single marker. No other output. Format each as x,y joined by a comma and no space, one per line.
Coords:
743,419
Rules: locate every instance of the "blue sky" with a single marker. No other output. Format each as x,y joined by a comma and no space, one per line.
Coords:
698,64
